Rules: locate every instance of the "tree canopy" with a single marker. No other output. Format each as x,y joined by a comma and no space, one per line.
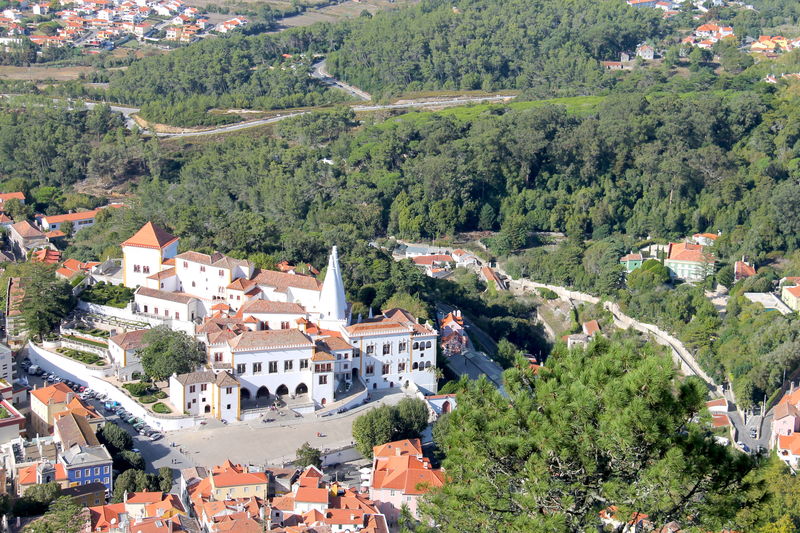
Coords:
388,423
167,351
609,425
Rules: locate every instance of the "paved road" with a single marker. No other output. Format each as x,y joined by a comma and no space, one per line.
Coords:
319,72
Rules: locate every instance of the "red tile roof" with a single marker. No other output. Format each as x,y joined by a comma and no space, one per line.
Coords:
689,252
12,196
790,443
743,270
56,393
151,236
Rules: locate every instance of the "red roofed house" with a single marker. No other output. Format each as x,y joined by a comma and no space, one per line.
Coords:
46,255
453,335
40,473
11,196
742,270
786,417
400,475
25,237
590,328
790,294
45,403
689,262
81,220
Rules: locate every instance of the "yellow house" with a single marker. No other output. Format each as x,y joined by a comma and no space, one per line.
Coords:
45,403
791,297
230,481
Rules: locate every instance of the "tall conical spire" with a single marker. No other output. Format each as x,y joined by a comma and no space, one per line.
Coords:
332,302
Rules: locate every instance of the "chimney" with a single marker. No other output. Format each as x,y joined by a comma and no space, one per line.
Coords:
125,497
398,451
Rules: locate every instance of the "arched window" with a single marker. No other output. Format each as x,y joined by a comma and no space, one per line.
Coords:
428,364
415,366
416,346
428,344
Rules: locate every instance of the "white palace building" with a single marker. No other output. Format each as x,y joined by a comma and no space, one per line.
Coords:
268,333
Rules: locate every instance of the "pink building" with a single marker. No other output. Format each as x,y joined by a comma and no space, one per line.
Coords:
400,475
786,420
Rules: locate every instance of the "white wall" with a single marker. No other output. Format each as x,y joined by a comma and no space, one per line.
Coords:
134,256
75,371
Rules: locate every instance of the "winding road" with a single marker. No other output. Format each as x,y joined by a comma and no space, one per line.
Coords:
318,72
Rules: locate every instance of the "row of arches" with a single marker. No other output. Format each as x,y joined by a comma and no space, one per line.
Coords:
421,366
263,392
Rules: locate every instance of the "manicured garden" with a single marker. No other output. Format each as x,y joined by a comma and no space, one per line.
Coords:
145,393
103,293
94,332
84,357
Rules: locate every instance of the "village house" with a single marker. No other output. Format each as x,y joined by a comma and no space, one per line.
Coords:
142,511
785,431
790,294
12,422
122,350
454,339
24,238
689,262
742,270
400,475
205,392
83,219
492,279
631,261
438,405
45,403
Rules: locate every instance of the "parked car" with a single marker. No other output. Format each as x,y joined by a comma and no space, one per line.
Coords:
34,370
155,436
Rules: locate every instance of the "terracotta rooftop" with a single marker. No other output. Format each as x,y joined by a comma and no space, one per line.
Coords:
131,340
281,281
27,230
268,307
56,393
151,236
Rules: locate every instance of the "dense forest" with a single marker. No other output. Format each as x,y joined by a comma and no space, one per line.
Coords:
610,424
549,47
235,71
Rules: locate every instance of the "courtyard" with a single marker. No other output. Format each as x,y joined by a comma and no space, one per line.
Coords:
273,442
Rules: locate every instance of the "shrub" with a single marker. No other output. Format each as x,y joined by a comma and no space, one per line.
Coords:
138,389
160,395
161,408
547,294
147,398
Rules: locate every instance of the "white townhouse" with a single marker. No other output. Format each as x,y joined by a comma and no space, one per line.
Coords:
206,393
122,351
394,350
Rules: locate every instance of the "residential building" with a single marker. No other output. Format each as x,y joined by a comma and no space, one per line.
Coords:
705,239
80,220
150,512
45,403
206,392
24,238
40,473
85,464
786,417
11,196
229,481
12,422
464,258
689,262
790,294
72,268
400,475
6,364
72,429
591,328
646,52
439,404
122,350
86,495
742,270
631,261
454,339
